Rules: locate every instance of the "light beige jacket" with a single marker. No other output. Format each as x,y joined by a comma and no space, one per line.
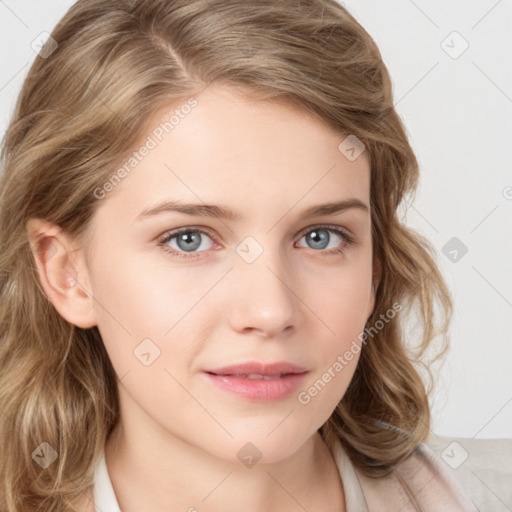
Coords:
423,483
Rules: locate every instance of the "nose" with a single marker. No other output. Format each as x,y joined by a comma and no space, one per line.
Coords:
266,298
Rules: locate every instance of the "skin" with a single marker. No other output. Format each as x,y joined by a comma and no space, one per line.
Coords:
268,161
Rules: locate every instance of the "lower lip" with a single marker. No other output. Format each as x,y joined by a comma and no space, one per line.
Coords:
259,390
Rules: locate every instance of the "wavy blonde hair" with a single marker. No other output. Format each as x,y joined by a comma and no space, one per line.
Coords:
80,111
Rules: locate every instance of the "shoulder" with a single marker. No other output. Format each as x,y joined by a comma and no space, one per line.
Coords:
423,482
482,466
432,482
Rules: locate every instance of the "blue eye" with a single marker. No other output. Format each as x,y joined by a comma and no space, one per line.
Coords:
321,236
189,240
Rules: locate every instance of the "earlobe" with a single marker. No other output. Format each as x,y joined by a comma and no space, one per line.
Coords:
62,272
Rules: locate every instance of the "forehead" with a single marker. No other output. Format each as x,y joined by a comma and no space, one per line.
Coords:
237,151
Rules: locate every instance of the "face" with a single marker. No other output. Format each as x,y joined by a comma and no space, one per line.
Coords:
267,284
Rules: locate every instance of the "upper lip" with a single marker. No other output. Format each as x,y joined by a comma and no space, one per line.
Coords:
257,368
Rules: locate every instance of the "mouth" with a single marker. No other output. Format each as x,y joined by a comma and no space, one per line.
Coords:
256,370
253,376
258,381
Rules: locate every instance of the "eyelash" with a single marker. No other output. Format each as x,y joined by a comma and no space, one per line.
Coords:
167,237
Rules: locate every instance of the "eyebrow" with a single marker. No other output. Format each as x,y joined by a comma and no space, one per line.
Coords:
222,212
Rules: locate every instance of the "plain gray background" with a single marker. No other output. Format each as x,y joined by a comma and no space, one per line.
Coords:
450,65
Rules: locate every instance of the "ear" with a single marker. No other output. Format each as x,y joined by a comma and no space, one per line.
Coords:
62,272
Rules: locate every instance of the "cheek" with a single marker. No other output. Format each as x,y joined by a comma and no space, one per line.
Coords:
343,309
139,297
144,314
128,311
344,302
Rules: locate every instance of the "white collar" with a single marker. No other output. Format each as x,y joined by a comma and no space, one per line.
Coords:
105,499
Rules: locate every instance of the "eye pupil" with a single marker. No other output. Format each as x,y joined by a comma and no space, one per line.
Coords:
191,239
320,237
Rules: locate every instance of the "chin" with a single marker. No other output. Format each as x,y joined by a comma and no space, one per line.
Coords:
256,446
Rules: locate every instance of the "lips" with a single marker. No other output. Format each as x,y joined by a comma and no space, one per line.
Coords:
255,376
256,370
258,381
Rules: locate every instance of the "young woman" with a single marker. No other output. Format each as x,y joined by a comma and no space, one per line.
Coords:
205,285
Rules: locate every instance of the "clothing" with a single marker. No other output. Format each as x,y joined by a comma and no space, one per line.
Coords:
423,483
